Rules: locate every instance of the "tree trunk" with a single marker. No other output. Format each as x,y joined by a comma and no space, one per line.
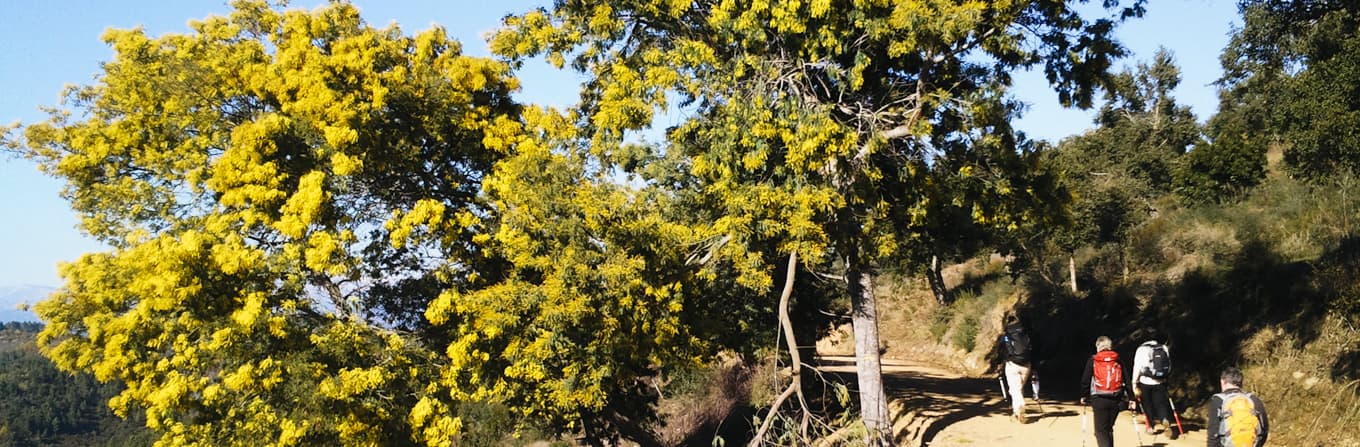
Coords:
936,280
1124,262
864,319
1072,272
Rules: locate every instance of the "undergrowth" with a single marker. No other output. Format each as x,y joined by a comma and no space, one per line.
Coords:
1268,284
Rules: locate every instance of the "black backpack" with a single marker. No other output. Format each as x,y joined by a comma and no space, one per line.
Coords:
1017,345
1160,366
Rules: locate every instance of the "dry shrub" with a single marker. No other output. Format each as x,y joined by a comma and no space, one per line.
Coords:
704,408
905,309
1213,240
914,326
1307,403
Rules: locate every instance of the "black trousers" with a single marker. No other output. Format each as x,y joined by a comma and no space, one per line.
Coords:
1106,411
1155,403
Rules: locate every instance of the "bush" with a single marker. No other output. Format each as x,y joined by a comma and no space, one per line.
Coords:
965,336
700,404
941,321
1308,403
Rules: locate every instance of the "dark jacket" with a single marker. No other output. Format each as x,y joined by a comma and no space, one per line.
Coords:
1005,346
1216,403
1088,374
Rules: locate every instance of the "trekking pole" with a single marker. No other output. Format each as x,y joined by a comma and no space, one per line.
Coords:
1133,420
1001,380
1084,409
1176,414
1147,420
1034,385
1143,409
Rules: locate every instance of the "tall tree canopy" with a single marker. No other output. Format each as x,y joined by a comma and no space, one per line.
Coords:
830,128
1292,74
276,189
1119,170
324,233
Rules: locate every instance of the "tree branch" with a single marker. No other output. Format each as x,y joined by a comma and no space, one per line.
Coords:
796,386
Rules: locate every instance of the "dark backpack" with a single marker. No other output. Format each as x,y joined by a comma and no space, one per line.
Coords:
1017,346
1160,366
1107,377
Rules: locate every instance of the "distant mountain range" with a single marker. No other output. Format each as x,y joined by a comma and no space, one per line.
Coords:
13,296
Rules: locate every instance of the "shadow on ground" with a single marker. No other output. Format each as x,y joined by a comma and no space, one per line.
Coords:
935,399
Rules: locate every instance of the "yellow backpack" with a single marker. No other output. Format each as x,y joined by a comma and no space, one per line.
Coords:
1239,422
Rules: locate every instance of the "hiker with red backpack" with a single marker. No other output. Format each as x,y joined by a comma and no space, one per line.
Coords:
1151,367
1019,352
1236,418
1103,381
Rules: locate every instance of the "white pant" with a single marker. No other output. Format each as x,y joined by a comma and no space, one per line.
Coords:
1016,378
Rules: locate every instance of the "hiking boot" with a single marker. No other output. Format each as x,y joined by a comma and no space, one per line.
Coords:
1174,434
1022,418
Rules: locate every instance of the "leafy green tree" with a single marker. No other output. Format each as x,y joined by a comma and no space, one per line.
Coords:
282,192
1142,132
1290,75
1120,170
46,406
1229,163
823,129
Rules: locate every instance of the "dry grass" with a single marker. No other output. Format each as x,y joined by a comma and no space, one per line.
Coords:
909,318
704,410
1306,406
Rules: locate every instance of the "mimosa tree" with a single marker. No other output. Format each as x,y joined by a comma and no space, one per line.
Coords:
834,128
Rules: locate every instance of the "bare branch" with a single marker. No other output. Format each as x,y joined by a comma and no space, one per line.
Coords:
796,386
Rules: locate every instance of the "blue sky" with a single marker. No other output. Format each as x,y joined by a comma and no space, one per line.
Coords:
47,44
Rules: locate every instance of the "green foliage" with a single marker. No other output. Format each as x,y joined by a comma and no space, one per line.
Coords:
45,406
1222,170
965,334
1291,72
487,423
961,320
848,152
941,321
1119,170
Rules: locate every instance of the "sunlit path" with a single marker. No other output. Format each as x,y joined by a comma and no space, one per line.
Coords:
937,408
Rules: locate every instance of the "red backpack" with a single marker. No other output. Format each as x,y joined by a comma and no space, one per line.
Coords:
1107,377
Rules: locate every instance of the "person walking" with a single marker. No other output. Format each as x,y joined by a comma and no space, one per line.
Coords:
1236,418
1019,352
1151,366
1106,393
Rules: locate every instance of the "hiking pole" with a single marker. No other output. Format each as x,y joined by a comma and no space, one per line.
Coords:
1133,420
1176,414
1034,385
1001,380
1147,422
1084,409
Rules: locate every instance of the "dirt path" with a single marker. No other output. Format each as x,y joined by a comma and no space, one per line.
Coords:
937,408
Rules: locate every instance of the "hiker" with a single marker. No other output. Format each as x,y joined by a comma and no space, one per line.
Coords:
1151,366
1236,418
1103,382
1019,351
